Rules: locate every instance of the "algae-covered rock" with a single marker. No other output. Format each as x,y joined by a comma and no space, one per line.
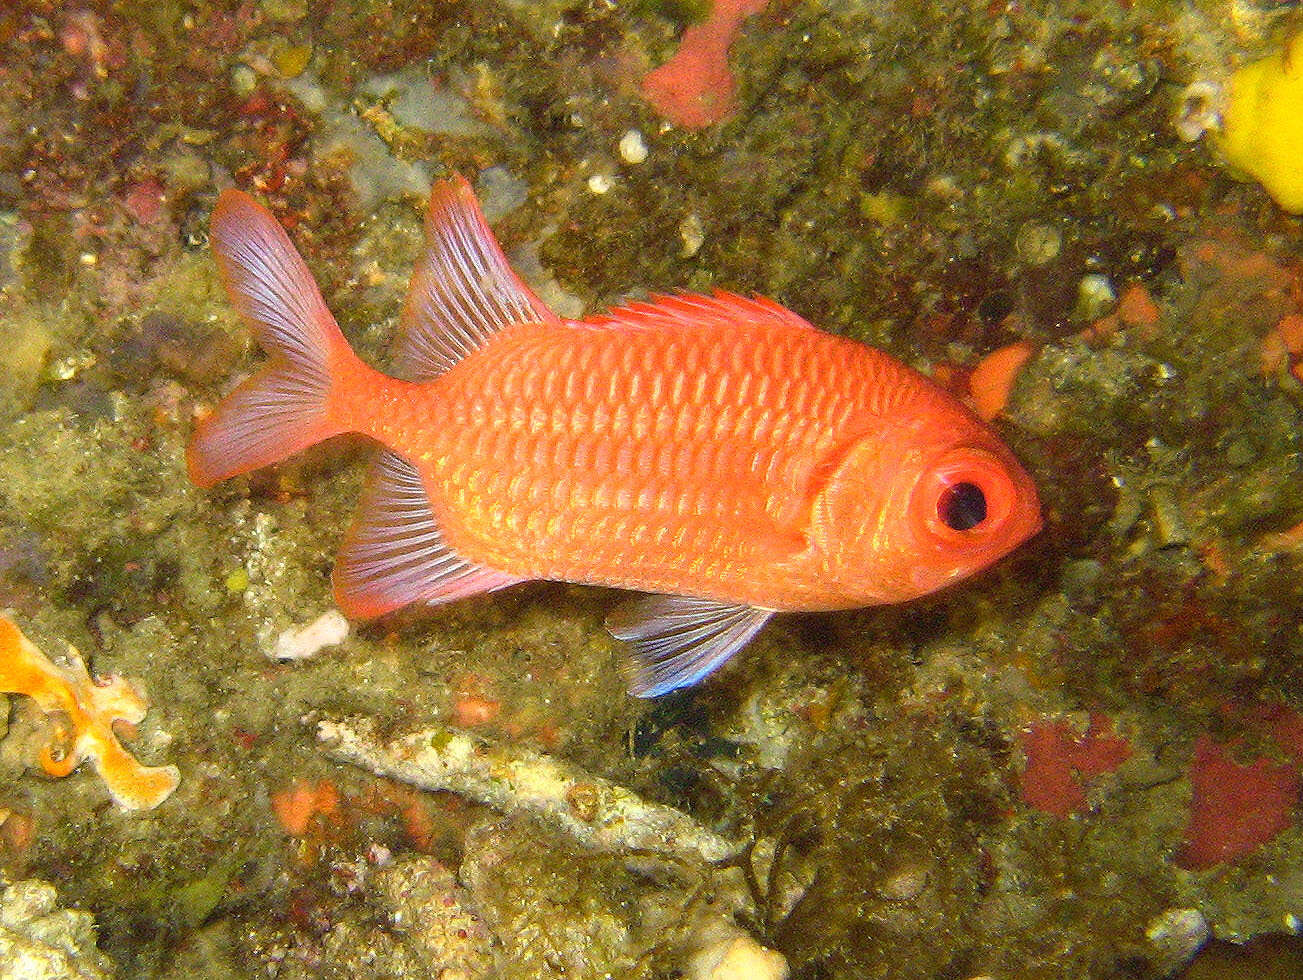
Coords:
557,911
433,915
24,348
406,918
40,941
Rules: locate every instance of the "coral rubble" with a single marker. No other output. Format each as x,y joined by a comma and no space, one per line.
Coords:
593,811
40,941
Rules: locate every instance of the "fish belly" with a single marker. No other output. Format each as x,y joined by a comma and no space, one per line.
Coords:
662,461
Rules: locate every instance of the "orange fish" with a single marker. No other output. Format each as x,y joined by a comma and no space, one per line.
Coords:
717,451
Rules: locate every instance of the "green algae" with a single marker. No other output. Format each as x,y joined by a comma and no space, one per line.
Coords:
577,920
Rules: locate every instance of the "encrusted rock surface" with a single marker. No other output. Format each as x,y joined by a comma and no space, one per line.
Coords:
40,941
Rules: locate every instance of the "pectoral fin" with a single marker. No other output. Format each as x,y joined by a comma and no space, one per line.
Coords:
678,640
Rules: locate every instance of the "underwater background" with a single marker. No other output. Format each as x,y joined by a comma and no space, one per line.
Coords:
1085,762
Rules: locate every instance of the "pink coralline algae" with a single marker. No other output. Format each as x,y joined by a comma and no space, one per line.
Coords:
1059,762
145,201
1282,724
695,88
1238,807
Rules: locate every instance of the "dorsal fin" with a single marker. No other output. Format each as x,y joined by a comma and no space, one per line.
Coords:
462,291
720,311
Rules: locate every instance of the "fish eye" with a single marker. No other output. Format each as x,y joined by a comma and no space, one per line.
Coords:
962,506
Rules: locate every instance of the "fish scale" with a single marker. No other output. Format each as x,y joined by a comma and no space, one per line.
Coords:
711,485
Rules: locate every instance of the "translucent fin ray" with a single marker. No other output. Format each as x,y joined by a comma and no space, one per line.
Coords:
463,290
269,283
720,311
274,414
678,640
285,407
395,553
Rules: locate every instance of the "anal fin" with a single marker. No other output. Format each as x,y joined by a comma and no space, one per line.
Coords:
678,640
395,553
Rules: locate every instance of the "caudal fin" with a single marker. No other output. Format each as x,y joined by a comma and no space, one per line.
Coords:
287,406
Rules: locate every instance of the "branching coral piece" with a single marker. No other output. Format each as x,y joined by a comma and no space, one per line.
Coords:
91,709
593,811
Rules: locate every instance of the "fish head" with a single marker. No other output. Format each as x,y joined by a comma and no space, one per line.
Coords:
901,517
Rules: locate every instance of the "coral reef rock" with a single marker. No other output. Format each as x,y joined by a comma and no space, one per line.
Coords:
40,941
431,912
558,911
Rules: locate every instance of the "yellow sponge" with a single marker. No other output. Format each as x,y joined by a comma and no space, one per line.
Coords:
1262,126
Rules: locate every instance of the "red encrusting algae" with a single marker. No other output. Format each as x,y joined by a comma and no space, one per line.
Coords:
1236,808
1136,310
695,87
1283,346
1059,762
296,806
1282,724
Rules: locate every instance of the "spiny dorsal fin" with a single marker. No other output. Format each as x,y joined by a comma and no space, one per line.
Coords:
462,291
678,640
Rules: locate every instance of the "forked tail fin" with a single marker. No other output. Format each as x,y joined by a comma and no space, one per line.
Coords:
288,405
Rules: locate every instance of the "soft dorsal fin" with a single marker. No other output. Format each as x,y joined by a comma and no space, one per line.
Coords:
395,553
720,311
462,291
678,640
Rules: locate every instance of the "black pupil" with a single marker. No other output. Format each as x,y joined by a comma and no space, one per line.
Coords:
962,507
